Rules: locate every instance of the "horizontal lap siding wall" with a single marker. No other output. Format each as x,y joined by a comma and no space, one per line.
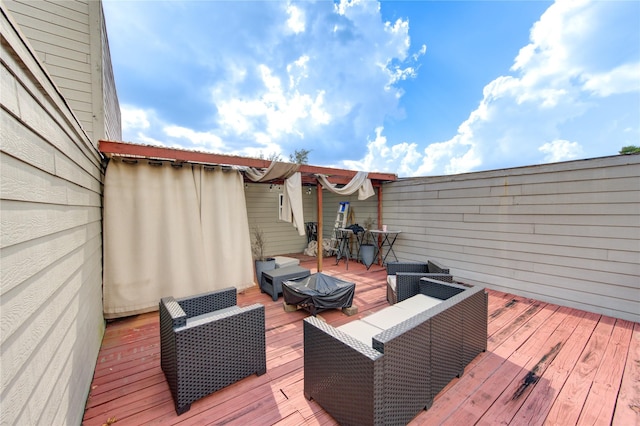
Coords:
51,246
70,38
362,209
262,209
108,121
568,233
281,237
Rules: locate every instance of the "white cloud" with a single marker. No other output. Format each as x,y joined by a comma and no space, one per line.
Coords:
558,79
622,79
276,111
560,150
336,85
296,21
205,139
133,119
399,158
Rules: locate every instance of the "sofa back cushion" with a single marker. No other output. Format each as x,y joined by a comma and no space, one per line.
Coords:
201,319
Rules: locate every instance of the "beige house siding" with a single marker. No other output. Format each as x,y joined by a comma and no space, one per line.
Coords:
70,39
107,97
282,238
362,209
568,233
51,246
262,209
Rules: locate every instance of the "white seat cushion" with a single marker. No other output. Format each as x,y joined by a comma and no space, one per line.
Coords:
391,280
361,330
388,317
367,327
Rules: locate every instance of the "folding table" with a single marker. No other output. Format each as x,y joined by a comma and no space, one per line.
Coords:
387,239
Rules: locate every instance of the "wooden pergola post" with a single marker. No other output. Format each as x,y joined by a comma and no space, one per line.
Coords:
319,227
380,219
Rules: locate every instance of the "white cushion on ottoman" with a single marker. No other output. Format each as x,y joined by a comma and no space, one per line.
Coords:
285,262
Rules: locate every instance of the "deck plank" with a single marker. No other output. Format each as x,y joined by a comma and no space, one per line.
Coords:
570,401
580,360
543,395
628,404
535,363
600,404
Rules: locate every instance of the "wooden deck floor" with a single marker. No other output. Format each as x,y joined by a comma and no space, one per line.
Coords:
545,364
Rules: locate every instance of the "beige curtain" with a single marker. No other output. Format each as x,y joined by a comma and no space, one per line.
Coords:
171,231
276,170
292,210
359,183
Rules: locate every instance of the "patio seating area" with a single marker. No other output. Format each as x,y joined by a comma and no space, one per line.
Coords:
544,364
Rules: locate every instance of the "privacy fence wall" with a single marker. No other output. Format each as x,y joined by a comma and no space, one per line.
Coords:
566,233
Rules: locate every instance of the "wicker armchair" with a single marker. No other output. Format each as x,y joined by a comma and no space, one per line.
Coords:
207,343
403,278
390,380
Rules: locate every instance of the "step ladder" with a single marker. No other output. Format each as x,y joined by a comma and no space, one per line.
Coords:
341,222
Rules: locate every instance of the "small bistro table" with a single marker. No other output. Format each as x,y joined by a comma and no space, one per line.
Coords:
272,280
387,239
343,236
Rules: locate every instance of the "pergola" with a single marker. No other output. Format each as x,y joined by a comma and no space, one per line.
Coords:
308,172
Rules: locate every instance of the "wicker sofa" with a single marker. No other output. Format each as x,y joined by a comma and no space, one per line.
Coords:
388,380
403,278
200,348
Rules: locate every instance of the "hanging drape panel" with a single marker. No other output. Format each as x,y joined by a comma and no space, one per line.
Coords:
292,210
225,228
171,231
276,170
292,205
359,183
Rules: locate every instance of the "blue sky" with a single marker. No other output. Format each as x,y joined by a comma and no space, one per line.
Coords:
417,88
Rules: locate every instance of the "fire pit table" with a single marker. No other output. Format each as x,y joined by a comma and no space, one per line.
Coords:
318,292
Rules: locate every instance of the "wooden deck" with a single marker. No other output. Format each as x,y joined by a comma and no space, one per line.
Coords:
545,364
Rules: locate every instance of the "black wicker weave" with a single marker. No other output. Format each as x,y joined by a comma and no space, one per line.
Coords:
407,278
212,352
391,381
474,321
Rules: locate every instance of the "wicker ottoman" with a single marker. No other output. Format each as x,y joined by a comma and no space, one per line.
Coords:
272,280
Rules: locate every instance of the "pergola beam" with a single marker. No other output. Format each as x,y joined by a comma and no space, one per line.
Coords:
111,148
